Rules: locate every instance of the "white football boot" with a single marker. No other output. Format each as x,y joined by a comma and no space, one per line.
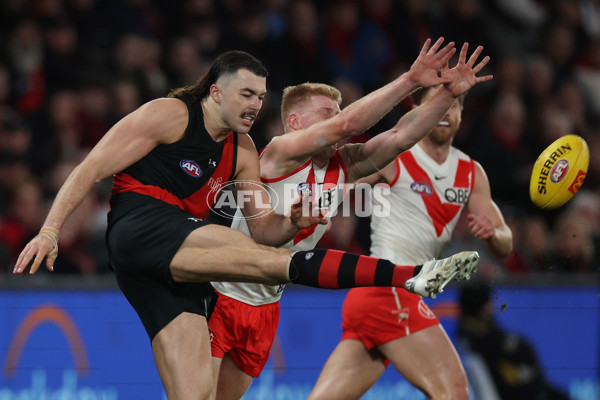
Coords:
436,274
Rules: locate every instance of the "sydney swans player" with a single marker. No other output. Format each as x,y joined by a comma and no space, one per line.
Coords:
305,159
430,185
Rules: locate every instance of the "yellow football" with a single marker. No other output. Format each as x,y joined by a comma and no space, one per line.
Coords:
559,171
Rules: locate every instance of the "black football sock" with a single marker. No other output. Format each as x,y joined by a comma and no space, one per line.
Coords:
418,269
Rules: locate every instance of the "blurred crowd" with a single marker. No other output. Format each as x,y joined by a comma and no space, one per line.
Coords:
69,69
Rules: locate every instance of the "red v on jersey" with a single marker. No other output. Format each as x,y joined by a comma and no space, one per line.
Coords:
330,182
441,213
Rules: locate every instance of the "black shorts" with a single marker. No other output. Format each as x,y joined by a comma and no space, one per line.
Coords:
143,236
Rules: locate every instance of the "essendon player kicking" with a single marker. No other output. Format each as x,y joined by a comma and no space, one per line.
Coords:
430,185
305,159
167,158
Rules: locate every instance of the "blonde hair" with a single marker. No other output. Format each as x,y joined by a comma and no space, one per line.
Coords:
294,95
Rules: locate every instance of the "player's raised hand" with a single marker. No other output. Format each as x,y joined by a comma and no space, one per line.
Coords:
464,74
44,245
425,71
481,226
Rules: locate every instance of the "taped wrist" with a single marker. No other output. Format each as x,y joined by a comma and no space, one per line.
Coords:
52,235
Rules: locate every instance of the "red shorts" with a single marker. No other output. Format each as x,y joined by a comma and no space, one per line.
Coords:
245,332
377,315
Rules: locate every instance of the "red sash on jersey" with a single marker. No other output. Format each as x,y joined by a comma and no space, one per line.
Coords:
332,176
198,204
441,213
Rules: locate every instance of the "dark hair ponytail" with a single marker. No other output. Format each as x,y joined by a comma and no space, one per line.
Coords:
227,63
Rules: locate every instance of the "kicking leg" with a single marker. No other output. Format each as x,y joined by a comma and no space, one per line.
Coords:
428,360
349,372
217,253
183,360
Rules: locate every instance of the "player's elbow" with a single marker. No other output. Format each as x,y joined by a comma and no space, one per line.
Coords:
403,141
504,244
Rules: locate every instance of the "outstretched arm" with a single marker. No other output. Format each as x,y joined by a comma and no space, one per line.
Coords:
294,148
160,121
485,219
417,123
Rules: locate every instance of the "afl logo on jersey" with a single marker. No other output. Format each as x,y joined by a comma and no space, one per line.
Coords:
305,188
421,188
559,171
191,168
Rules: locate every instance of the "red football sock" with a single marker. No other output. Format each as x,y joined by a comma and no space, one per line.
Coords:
334,269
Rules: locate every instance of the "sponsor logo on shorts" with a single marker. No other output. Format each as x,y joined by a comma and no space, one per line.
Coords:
308,256
191,168
425,311
559,170
403,314
421,188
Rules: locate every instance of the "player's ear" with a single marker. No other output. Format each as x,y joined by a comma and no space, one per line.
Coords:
293,121
215,92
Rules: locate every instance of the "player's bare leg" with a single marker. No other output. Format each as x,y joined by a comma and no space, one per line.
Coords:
217,253
226,373
183,360
216,367
349,372
428,360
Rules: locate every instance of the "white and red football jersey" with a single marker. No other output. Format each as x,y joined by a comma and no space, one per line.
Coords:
425,203
327,186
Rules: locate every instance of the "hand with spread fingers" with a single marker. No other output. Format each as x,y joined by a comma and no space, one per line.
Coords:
425,71
463,76
44,245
